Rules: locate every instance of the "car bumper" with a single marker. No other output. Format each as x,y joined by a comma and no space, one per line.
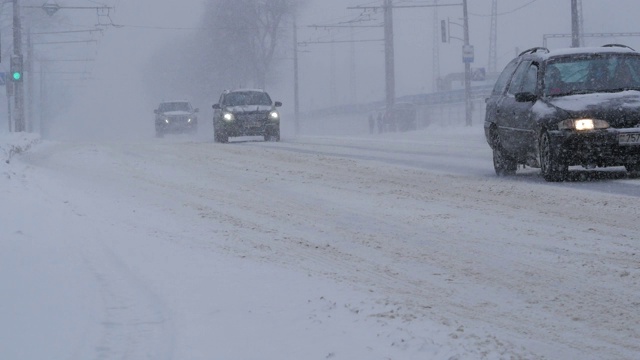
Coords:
596,148
177,126
240,129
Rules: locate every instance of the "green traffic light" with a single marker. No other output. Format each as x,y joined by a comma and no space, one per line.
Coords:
17,76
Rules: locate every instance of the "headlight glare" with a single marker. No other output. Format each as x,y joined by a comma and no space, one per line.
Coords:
228,117
582,124
166,121
274,115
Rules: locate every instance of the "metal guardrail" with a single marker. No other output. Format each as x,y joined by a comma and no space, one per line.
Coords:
437,98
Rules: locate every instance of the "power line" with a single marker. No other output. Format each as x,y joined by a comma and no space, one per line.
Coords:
505,12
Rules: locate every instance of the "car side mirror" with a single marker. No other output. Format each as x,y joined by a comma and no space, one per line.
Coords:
216,106
155,111
278,104
526,97
196,110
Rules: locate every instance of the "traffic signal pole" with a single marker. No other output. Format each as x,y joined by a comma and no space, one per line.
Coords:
18,85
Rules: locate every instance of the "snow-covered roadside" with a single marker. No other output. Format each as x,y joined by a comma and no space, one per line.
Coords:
93,271
379,247
16,143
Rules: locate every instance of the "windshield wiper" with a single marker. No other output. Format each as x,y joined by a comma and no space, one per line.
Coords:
579,92
620,89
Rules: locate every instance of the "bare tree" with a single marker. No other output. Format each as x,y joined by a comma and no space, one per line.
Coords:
249,32
238,44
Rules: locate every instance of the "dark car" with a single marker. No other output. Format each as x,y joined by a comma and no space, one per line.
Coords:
175,117
246,112
555,109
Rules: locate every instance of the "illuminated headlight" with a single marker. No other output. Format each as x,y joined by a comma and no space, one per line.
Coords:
189,120
582,124
228,117
274,115
166,121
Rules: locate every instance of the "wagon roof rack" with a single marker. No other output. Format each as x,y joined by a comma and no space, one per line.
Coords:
619,45
534,50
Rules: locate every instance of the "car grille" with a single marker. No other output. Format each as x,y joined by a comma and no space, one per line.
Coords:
252,119
179,118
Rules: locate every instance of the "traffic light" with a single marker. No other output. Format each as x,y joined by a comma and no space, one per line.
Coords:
16,68
443,31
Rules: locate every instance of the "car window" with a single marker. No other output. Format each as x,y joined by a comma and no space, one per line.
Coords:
239,98
607,72
530,79
516,81
175,106
503,79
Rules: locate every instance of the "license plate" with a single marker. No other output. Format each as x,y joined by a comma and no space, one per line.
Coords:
629,139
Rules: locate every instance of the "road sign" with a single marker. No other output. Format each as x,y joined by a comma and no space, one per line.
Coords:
467,54
2,78
50,9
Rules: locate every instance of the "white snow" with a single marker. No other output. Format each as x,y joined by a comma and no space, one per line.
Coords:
382,246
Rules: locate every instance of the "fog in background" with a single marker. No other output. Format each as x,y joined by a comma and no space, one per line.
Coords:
143,43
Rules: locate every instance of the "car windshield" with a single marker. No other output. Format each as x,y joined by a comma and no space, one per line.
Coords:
608,72
239,98
175,106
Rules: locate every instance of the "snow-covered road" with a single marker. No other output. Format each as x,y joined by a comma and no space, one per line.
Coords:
394,246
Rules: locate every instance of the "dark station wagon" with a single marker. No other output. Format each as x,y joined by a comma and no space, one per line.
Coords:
556,109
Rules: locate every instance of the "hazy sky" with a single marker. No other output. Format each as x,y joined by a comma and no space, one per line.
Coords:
521,25
329,74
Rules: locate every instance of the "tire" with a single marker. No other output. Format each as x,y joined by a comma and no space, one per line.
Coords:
503,164
552,167
220,137
272,136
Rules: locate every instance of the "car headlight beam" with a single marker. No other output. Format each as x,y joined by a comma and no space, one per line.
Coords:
274,115
228,117
583,124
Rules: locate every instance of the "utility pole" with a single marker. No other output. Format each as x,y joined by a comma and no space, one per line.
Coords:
467,66
575,24
30,84
296,86
436,50
389,56
353,90
493,38
18,85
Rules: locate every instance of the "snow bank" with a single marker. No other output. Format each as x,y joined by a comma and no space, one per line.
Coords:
15,143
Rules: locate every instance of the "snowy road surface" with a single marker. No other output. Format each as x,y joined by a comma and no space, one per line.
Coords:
394,246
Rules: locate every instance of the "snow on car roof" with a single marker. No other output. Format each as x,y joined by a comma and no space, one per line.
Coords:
247,89
587,50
